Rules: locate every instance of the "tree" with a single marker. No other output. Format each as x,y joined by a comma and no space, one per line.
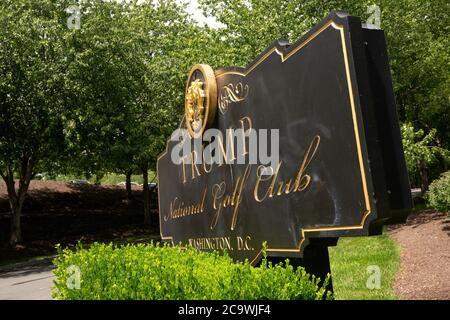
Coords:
126,71
32,64
251,26
162,105
417,36
421,151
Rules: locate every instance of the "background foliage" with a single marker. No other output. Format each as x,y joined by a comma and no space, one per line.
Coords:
438,196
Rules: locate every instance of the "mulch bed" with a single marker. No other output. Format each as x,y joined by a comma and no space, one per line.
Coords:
424,242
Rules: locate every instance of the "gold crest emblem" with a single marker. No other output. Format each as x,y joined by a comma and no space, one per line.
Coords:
201,100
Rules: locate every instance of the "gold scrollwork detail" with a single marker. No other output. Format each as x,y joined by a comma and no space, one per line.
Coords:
195,105
201,100
232,93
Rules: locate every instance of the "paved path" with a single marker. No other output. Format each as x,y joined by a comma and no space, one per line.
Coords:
26,281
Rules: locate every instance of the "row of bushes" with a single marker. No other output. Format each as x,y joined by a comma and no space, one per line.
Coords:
438,195
151,271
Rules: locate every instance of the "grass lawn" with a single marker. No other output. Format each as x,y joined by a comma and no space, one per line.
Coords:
349,262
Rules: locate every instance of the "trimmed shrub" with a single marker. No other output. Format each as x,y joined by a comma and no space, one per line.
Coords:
151,271
438,195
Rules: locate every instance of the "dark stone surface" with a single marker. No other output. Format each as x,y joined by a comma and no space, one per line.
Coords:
331,90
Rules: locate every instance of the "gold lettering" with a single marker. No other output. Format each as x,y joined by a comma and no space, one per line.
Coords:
274,178
300,184
205,164
224,153
184,169
215,243
194,164
237,197
222,201
302,179
178,209
249,122
261,178
202,206
171,213
218,190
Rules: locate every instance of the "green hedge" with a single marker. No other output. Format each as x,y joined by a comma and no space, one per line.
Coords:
438,195
140,272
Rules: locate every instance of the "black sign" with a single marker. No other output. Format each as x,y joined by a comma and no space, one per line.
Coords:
326,105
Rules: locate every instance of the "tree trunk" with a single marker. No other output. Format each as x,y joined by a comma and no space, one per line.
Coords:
16,229
128,186
146,196
16,198
424,183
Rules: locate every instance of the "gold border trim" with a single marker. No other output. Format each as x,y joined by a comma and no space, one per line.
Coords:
281,54
284,58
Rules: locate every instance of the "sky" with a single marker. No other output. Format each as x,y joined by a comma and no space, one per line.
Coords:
198,14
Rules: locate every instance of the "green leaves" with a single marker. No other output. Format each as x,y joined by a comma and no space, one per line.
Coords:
438,195
127,82
164,272
100,98
32,63
420,148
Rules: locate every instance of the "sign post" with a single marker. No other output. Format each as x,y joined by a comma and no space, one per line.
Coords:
299,148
